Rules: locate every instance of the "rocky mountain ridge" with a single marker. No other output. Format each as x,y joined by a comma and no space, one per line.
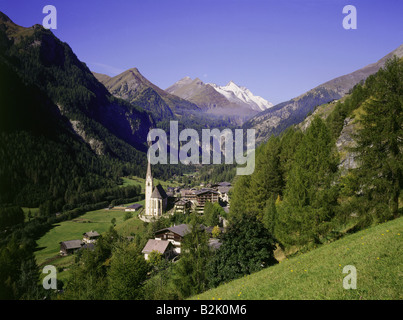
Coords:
285,114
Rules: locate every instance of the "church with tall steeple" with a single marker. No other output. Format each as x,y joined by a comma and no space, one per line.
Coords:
156,198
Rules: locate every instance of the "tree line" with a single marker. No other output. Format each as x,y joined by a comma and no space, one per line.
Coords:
297,190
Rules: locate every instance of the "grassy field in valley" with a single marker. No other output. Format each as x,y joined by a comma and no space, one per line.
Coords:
34,212
130,181
376,253
99,220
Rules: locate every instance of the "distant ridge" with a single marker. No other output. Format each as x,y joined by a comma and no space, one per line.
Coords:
216,99
285,114
133,87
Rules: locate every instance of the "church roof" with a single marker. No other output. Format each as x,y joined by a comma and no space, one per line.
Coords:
159,192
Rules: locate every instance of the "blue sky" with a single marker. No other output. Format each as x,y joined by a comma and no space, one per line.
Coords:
278,49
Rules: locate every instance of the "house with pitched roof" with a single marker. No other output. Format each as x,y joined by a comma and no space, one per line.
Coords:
70,246
164,247
174,235
183,205
91,236
133,208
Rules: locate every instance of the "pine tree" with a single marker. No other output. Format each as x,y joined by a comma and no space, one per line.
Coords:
267,180
380,142
210,217
290,141
240,198
128,270
251,193
189,274
270,215
309,198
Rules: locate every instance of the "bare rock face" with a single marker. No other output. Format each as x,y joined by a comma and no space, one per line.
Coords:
344,142
96,145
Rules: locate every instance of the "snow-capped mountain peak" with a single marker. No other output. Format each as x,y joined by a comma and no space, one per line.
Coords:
242,96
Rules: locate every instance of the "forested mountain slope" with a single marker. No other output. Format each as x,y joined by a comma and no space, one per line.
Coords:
61,131
281,116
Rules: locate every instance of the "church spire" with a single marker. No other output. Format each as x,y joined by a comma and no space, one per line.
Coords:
149,189
148,170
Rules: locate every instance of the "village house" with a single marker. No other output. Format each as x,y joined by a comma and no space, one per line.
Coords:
223,192
183,206
173,191
174,235
188,194
133,208
69,247
164,247
204,195
200,197
90,237
224,184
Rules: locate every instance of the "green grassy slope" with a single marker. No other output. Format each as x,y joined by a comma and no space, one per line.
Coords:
99,220
132,225
375,252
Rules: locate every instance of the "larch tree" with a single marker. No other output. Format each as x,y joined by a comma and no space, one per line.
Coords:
380,142
309,197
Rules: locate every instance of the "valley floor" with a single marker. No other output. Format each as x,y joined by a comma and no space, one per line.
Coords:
99,220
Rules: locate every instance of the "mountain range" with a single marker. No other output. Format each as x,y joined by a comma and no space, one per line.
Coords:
281,116
184,97
133,87
77,127
219,99
42,60
192,97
